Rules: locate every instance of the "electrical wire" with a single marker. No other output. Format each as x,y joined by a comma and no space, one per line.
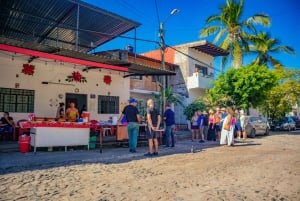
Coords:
157,14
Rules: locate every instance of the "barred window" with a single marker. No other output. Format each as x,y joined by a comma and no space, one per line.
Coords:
201,69
16,100
108,104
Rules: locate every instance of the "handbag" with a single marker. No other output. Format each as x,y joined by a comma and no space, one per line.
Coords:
228,123
227,127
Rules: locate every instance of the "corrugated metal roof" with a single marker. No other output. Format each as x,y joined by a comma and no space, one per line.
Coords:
133,68
54,23
208,48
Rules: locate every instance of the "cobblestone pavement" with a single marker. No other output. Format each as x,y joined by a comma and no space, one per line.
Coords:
16,161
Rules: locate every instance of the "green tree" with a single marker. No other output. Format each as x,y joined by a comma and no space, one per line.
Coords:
198,104
170,97
230,29
244,87
283,97
265,47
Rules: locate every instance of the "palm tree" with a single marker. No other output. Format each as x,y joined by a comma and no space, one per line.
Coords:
170,97
231,29
264,46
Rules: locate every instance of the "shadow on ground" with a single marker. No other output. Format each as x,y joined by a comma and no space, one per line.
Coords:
14,162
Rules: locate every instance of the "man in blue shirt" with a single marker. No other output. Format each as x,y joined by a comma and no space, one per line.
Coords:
169,117
200,123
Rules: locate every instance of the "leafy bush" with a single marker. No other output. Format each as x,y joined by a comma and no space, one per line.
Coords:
194,106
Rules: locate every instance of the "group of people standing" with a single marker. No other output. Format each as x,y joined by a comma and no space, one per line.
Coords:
218,125
153,119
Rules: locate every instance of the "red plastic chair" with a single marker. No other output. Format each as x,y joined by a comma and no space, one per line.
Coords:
22,130
95,126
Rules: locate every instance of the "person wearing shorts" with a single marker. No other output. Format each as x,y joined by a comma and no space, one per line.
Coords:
218,123
153,119
195,126
238,128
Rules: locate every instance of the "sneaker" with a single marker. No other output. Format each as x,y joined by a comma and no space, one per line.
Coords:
155,154
148,154
132,150
201,141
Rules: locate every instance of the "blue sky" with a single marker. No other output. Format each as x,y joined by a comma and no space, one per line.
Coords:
184,27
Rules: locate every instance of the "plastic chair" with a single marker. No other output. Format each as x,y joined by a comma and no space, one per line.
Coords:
95,126
106,131
22,130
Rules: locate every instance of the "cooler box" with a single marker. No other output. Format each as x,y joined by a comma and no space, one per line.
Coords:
85,116
24,142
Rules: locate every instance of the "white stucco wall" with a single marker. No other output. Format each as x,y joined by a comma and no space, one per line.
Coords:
52,71
205,58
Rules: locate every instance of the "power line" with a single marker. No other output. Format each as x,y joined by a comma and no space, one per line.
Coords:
157,15
207,65
137,12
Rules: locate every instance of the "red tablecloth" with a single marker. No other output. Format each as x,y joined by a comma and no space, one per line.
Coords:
55,124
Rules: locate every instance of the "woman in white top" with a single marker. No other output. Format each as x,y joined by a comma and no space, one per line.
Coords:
227,136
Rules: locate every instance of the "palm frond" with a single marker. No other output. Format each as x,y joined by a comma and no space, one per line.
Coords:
284,48
209,30
213,18
276,64
261,19
219,35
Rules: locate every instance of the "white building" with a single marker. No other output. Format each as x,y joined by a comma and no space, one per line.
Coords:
57,38
196,68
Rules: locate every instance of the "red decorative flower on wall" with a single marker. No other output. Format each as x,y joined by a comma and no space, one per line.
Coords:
107,79
76,77
28,69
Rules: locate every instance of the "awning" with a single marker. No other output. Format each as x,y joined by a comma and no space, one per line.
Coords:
68,24
91,61
208,48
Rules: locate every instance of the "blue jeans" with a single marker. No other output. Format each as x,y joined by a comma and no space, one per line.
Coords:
133,130
9,129
170,132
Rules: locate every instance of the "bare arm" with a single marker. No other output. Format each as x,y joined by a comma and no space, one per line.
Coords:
158,122
120,118
150,121
229,118
138,116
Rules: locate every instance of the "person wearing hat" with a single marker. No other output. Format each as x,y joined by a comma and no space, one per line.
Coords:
133,118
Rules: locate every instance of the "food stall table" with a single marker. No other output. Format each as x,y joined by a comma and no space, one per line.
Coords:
59,135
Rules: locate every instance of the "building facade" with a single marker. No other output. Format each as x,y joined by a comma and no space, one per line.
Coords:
195,71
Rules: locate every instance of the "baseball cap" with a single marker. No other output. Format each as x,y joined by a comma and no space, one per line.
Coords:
133,100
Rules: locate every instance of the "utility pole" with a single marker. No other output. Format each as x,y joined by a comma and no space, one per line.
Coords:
162,50
163,67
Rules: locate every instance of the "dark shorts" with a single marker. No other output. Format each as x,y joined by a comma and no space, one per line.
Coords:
195,127
218,128
238,127
152,134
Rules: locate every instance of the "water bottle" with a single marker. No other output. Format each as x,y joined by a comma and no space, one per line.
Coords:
192,149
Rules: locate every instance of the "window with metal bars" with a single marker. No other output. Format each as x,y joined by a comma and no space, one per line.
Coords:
108,104
16,100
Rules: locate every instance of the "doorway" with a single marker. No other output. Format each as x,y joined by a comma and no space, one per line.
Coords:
80,101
